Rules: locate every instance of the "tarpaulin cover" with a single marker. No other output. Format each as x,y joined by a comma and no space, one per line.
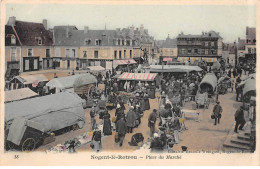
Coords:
85,80
124,62
174,68
138,76
209,79
19,94
29,79
250,85
68,81
96,68
53,112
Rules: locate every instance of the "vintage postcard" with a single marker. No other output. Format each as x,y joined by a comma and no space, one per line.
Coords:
129,82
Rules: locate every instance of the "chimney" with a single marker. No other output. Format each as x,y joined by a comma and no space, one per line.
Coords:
86,29
132,28
11,21
142,29
44,22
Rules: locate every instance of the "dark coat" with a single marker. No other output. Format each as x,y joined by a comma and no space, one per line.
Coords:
239,115
217,110
107,124
146,102
130,118
152,119
121,127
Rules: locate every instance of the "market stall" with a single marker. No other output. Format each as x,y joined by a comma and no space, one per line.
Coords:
249,90
28,122
19,94
174,68
123,64
209,83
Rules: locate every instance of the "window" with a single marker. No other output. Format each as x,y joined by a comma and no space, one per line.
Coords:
202,51
13,54
183,51
57,52
40,41
73,53
97,42
96,54
118,42
67,52
212,44
130,53
206,52
30,52
115,54
206,44
212,52
87,42
13,40
249,50
189,51
48,53
196,51
84,54
124,53
120,54
123,42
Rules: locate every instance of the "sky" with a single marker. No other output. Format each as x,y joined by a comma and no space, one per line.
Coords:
160,20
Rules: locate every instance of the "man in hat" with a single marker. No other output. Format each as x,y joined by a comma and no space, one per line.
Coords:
151,121
92,118
217,110
240,119
130,119
121,129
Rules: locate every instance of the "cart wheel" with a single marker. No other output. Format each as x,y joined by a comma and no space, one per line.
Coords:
29,144
75,127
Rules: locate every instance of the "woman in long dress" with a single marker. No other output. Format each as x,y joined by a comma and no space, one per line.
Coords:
107,124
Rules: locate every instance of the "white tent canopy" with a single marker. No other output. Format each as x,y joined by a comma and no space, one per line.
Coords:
19,94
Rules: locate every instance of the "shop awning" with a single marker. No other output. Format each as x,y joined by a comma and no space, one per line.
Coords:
167,59
209,59
174,68
138,76
30,79
182,59
124,62
19,94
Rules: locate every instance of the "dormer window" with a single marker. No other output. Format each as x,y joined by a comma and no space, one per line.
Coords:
98,42
87,42
39,40
13,40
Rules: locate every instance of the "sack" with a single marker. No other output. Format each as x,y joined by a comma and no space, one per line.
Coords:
92,145
219,116
212,116
116,138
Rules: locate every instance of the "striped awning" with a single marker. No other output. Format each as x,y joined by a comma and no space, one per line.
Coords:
182,59
209,59
138,76
124,62
195,58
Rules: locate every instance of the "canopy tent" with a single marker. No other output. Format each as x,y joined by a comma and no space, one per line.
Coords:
138,76
84,80
19,94
30,79
251,76
123,62
68,81
96,68
216,65
47,114
209,83
174,68
250,85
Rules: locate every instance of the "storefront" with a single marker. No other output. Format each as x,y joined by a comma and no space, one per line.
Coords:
30,63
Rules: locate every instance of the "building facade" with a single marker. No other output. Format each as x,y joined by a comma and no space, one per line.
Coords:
207,46
168,49
28,44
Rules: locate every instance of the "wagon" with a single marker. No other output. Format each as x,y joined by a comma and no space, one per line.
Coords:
224,83
29,122
208,84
